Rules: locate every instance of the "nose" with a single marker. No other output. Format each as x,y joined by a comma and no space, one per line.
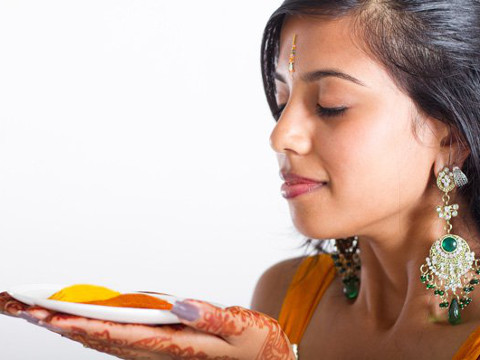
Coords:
293,131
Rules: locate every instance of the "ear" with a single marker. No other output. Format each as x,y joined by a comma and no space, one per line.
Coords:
451,145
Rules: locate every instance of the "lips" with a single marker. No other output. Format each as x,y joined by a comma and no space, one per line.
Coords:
291,191
296,185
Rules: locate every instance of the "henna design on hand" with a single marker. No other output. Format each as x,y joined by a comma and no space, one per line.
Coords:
228,323
276,345
9,306
176,352
153,347
235,320
123,353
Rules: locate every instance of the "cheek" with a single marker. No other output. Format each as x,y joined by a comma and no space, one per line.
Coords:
374,168
364,152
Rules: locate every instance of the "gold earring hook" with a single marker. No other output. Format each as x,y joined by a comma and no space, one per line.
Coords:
450,152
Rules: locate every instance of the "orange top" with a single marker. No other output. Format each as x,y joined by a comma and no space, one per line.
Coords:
303,296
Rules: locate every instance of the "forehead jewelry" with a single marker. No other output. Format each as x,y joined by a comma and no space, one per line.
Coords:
450,259
291,61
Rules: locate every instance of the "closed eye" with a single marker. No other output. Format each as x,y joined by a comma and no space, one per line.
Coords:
321,111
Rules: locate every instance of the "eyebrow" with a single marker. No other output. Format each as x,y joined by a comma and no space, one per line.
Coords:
322,73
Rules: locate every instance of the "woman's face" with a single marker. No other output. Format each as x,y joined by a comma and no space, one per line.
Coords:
374,166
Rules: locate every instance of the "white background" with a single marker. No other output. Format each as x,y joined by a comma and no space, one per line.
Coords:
134,153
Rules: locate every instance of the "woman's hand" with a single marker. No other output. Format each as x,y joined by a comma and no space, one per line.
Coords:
206,332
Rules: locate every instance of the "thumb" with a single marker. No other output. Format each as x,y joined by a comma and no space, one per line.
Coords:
264,333
202,315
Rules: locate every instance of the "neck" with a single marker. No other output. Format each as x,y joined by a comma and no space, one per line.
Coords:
390,265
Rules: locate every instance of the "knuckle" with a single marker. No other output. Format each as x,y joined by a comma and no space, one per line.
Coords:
14,307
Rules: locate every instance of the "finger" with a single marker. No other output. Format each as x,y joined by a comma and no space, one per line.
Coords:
34,314
226,323
165,339
239,326
38,312
121,352
9,306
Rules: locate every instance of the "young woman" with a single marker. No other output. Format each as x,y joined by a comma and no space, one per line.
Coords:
377,109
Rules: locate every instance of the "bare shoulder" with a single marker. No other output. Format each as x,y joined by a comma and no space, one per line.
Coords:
272,286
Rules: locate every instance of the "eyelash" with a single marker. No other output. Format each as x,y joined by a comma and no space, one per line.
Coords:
321,111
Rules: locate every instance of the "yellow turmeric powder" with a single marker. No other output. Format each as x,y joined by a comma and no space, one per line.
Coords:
99,295
84,292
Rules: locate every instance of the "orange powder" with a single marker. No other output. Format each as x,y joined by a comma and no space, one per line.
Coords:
134,301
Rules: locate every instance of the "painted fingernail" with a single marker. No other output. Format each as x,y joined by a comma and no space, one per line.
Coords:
27,316
185,311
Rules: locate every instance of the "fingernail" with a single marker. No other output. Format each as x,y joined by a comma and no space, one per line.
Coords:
185,311
27,316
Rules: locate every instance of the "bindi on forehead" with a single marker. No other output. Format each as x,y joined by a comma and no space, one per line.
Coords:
328,39
293,52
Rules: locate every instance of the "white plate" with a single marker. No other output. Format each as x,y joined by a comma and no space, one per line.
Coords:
37,294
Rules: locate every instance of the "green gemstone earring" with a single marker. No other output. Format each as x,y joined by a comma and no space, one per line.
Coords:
450,258
347,262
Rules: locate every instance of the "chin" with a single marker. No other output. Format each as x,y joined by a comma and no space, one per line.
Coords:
314,229
321,227
317,217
